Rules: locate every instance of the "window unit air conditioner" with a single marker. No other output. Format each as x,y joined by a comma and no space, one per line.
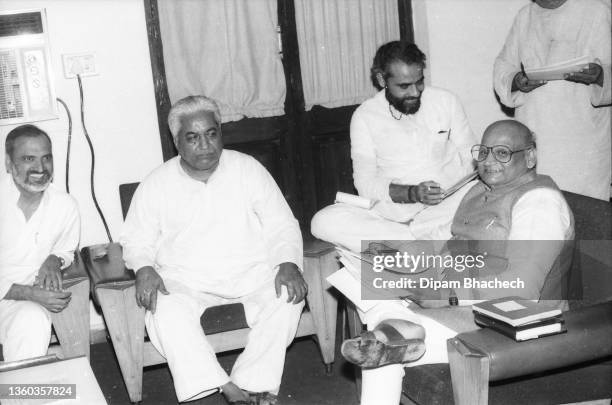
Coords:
26,88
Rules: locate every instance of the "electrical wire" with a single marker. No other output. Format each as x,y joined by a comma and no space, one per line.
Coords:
93,161
68,145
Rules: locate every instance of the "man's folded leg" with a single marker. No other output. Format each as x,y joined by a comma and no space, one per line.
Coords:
25,330
346,225
176,333
273,323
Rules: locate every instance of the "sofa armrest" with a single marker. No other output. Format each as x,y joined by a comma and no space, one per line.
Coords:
106,268
587,338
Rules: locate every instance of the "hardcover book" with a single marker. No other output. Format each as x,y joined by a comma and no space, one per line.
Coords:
516,311
533,330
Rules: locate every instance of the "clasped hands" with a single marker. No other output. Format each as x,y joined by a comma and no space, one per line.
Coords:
47,289
592,74
149,282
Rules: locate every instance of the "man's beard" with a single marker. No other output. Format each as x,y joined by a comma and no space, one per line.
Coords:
33,186
399,105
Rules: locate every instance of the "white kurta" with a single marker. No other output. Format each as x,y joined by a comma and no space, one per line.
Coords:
24,245
571,120
214,243
540,214
432,144
225,237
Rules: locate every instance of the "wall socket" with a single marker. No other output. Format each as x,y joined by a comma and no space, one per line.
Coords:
83,64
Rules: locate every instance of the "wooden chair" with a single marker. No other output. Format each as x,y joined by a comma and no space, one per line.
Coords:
225,325
71,326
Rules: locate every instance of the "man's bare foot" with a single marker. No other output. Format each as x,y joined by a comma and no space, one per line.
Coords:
234,395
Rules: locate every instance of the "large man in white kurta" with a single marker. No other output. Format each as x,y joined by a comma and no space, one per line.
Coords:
211,227
409,143
39,231
571,118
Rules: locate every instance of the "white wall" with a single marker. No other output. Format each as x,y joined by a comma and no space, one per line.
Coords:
119,103
462,39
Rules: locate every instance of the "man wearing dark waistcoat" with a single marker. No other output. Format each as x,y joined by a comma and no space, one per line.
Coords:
518,217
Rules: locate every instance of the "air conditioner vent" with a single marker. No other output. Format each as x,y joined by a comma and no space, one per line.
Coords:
18,24
11,105
26,85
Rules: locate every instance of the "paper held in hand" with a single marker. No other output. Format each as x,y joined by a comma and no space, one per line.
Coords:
355,200
558,71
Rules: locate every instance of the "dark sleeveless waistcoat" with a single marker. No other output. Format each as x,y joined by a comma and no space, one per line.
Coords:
483,223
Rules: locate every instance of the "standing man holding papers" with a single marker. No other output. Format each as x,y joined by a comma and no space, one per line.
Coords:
571,117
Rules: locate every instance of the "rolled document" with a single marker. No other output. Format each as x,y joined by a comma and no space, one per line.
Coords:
457,186
354,200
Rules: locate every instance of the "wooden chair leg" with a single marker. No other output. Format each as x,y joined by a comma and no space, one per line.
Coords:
125,323
72,324
323,305
355,326
469,374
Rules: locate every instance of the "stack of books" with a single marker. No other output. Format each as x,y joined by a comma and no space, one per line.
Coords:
519,318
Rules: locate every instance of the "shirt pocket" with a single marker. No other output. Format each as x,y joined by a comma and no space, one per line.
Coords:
439,143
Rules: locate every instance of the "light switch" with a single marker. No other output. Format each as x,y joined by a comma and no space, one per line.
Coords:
83,64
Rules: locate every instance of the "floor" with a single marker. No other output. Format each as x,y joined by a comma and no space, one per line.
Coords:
304,379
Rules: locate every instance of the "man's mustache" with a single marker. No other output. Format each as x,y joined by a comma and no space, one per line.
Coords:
34,172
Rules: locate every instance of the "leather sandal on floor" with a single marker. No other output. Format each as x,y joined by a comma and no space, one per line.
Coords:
369,352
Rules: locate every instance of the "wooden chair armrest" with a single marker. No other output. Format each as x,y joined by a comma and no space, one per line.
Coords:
105,266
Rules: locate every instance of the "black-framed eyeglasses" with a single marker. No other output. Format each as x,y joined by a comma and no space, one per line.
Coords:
501,153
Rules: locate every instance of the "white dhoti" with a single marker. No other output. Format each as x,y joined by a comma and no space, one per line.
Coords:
383,385
176,332
347,225
25,330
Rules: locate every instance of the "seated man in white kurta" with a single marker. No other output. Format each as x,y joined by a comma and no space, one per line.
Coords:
519,214
409,143
211,227
39,231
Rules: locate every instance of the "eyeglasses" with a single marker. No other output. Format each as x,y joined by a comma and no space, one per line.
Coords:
501,153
